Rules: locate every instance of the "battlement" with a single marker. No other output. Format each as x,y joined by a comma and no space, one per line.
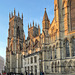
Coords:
33,26
13,15
33,30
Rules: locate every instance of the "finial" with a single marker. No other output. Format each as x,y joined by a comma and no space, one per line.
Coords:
30,24
38,29
45,9
18,14
9,15
14,12
45,17
38,26
33,23
22,15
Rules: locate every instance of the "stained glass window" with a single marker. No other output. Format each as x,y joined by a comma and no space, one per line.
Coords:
67,48
73,46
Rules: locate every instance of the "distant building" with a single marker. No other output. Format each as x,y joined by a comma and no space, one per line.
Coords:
52,51
1,64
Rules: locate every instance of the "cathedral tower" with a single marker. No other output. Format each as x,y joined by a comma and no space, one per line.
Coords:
45,43
45,25
15,42
33,31
15,31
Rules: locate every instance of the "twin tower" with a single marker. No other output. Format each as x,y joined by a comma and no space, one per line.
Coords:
16,40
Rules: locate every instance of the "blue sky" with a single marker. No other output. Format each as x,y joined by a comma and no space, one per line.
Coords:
31,9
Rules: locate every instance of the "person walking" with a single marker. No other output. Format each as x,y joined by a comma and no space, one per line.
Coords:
26,73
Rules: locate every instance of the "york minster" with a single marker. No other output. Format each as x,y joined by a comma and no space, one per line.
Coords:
51,52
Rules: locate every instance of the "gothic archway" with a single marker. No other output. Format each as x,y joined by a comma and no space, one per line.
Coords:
18,32
73,46
50,52
72,13
67,51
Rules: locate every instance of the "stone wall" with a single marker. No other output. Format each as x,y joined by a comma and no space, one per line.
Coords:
61,74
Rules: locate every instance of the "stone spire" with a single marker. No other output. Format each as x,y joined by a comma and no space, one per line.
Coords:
9,16
45,17
22,15
18,14
33,23
38,29
14,12
38,26
28,25
45,22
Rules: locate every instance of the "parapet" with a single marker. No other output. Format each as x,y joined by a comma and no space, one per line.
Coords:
11,15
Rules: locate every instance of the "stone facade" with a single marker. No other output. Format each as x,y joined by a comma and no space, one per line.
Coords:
32,64
1,64
52,51
15,43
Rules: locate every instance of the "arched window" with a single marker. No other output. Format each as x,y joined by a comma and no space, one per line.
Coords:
57,46
58,66
73,47
54,49
55,67
55,52
52,67
18,32
72,14
67,48
50,52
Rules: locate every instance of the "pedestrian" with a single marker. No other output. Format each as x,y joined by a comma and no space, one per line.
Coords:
26,73
42,73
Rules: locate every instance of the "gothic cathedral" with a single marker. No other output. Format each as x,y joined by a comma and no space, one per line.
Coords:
51,52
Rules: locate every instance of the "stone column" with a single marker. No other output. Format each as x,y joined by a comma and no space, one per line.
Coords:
10,62
52,54
38,65
33,70
54,67
50,68
70,48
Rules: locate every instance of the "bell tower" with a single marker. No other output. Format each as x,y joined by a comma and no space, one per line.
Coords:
15,43
15,31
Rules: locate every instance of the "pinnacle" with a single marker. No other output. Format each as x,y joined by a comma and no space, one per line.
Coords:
45,17
14,12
